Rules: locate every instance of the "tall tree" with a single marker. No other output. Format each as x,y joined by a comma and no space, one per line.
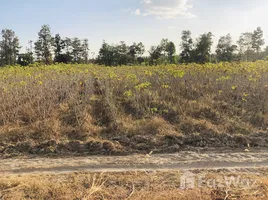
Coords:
9,47
121,51
257,40
68,45
43,46
106,55
59,45
85,50
245,45
203,48
136,51
155,54
225,49
140,49
77,50
164,46
61,53
171,50
187,47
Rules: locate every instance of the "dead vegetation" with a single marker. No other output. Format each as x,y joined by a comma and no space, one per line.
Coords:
128,185
98,110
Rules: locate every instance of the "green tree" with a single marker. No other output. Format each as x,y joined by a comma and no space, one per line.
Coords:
64,50
257,40
59,45
136,51
85,51
77,50
25,59
106,55
245,45
203,48
9,47
68,45
225,49
122,54
164,47
140,49
171,50
44,44
187,47
163,53
155,55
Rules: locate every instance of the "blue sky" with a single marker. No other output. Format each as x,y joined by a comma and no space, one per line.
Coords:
147,21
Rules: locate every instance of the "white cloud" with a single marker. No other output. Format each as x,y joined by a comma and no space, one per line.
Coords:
137,12
146,1
165,9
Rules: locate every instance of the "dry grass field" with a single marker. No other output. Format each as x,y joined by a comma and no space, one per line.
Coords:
128,185
62,109
93,110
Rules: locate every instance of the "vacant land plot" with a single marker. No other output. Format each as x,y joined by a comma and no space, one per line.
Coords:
90,109
80,110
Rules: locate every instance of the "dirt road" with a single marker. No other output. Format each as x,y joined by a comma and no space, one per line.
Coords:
230,160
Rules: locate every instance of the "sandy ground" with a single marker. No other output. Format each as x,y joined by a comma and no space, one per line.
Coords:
238,159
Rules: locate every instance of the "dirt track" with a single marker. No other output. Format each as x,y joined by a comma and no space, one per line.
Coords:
180,161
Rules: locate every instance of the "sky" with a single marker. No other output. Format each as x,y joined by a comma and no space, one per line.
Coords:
146,21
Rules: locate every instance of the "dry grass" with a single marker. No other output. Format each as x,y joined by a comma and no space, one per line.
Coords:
136,186
49,187
130,109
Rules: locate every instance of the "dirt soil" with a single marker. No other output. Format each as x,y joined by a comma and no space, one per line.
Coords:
140,176
187,160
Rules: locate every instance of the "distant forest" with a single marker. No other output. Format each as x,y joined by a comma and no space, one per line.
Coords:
49,49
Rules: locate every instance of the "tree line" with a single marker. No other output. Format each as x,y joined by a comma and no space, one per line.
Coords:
49,49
